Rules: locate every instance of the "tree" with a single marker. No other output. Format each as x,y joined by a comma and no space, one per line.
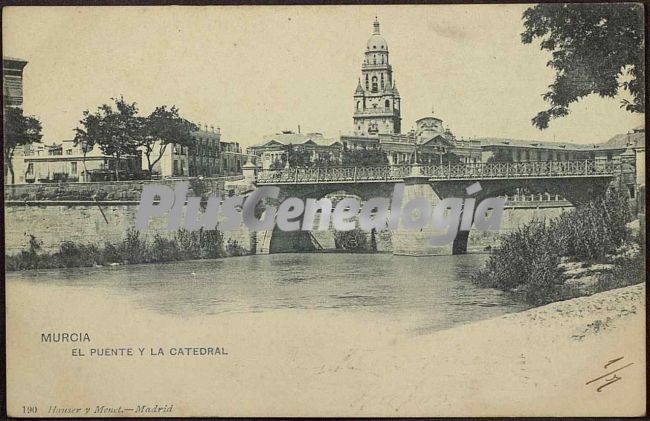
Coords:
594,48
298,157
501,155
277,164
325,160
117,132
20,130
163,127
363,157
82,138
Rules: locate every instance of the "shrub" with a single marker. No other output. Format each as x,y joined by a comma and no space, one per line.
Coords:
527,260
200,244
133,249
628,271
164,250
234,249
355,239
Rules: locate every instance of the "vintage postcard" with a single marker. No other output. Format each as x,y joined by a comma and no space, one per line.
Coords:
327,211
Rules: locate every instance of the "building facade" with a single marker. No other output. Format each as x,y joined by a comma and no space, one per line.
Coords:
273,151
12,81
233,159
207,156
203,156
65,161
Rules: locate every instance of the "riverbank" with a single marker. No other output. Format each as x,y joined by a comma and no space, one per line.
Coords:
595,247
331,363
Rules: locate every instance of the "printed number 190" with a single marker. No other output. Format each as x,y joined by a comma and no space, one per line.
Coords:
30,409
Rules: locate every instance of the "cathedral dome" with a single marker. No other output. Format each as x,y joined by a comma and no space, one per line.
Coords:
376,42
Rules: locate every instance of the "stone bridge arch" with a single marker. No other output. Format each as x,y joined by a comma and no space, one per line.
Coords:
278,241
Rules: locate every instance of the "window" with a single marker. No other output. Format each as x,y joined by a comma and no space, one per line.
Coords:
367,85
387,104
358,105
30,168
68,151
374,84
175,171
73,168
382,81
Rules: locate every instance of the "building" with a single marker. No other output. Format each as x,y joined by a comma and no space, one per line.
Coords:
12,81
203,157
42,163
233,159
272,152
376,99
377,118
208,156
377,125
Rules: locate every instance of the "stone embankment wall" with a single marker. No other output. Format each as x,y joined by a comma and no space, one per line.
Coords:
104,191
89,213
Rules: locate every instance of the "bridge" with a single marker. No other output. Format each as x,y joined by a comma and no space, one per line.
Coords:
449,172
573,181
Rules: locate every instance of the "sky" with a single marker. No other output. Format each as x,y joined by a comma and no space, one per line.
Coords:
254,71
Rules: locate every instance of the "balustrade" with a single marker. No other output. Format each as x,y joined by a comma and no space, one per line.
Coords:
469,171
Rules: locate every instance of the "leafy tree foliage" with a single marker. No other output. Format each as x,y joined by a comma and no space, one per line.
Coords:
298,158
117,132
163,127
19,130
363,157
501,155
596,49
121,131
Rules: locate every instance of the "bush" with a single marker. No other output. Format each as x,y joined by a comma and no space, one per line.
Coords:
355,240
593,230
133,249
628,271
200,244
527,260
164,250
234,249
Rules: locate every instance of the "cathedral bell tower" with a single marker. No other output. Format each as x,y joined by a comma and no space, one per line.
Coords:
376,100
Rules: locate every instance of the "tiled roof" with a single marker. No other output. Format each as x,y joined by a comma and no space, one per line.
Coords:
621,140
495,141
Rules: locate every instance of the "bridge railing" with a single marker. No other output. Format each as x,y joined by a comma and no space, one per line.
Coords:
333,174
470,171
526,169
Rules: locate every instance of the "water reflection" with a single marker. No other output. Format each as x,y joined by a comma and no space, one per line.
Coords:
433,292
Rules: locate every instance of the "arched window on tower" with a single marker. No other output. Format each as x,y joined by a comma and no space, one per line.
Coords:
374,59
367,86
382,81
374,84
387,103
382,59
358,105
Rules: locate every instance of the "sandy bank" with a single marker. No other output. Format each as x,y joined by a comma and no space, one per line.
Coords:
324,363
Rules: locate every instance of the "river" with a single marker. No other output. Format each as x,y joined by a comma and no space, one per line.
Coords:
425,293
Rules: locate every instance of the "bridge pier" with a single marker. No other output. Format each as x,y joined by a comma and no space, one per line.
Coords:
418,243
